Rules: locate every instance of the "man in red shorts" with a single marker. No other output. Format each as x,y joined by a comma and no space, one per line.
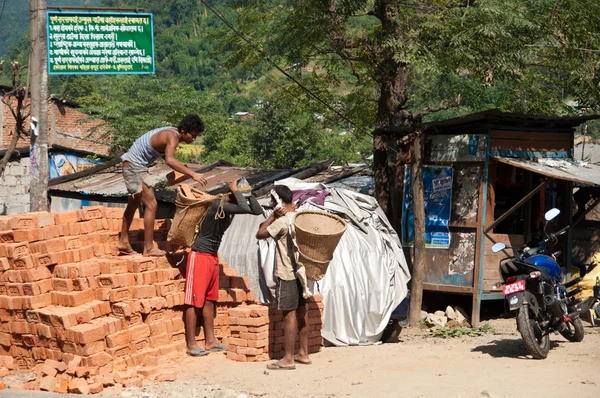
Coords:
202,272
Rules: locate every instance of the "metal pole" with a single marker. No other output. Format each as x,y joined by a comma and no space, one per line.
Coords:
38,151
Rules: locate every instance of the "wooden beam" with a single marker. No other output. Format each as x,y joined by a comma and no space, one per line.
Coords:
516,206
447,288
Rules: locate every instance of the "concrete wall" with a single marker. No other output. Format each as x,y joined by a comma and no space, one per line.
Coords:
14,187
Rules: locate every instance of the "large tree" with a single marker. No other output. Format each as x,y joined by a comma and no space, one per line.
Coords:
394,48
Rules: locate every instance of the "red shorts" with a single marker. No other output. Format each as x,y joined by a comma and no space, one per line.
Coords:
202,279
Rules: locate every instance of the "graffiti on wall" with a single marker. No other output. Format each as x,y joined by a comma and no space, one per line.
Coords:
64,164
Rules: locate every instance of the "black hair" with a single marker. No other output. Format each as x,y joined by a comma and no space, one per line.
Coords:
191,123
284,193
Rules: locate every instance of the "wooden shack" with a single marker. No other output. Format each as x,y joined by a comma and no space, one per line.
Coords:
505,171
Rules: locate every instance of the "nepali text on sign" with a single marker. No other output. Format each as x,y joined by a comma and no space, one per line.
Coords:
100,43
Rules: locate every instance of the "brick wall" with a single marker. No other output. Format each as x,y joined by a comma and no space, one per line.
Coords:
65,127
84,318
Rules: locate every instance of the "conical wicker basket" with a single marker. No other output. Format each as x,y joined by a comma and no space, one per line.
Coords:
317,235
189,215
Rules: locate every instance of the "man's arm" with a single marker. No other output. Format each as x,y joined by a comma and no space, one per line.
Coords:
240,208
175,164
262,230
255,207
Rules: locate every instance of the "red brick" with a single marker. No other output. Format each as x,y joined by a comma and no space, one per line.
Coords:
62,384
48,370
77,270
28,235
144,291
121,351
4,264
62,285
166,288
35,302
240,282
87,333
44,260
12,250
7,236
141,264
237,295
84,349
14,289
20,263
96,387
228,271
73,299
37,288
24,221
48,246
121,294
118,339
251,296
91,213
78,386
66,217
34,274
156,316
114,266
59,366
140,345
139,332
236,357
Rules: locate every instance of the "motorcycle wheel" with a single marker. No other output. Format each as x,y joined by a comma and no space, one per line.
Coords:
536,343
574,331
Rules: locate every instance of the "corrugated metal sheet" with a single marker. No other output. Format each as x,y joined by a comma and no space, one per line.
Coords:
563,169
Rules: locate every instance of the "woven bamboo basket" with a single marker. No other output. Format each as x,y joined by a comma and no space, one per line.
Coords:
317,235
189,215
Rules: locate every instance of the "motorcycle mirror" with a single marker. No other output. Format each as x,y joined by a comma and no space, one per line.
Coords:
498,247
551,214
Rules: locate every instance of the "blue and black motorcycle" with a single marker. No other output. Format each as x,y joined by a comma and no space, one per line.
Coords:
532,286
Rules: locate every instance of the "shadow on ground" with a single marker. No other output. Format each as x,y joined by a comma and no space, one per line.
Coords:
507,348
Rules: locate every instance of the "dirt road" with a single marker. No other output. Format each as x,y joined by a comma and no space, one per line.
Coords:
419,366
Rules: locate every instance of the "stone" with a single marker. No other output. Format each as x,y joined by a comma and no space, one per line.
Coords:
434,320
461,315
423,314
450,314
439,313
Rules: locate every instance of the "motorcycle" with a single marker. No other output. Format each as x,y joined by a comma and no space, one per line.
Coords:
532,286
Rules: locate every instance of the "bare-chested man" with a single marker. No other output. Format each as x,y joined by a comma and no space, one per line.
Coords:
156,143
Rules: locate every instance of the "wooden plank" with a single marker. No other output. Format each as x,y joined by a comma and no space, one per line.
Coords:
447,288
488,286
529,135
532,146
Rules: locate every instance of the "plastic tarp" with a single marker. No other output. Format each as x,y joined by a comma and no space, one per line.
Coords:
366,279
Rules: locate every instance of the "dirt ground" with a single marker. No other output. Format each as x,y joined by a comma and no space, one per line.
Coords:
493,365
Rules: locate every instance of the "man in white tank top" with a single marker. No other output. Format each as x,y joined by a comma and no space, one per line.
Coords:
161,142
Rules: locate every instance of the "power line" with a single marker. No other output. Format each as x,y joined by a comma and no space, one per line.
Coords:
281,70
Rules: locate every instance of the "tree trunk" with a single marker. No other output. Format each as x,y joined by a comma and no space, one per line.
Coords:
39,107
9,152
418,270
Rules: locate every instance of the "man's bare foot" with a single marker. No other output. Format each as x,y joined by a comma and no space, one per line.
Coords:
301,359
154,252
125,248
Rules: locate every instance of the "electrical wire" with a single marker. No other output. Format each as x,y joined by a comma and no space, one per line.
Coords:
213,9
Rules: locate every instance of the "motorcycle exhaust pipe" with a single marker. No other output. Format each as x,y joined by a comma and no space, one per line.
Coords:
553,305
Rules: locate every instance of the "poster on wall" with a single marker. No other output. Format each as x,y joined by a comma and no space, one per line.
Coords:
64,164
458,148
437,192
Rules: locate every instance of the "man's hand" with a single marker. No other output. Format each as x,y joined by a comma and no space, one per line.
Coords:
199,178
280,212
233,186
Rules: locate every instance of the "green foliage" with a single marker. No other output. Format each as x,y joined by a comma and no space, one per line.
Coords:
446,333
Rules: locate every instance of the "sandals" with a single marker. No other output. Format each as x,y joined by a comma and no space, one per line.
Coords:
197,352
219,348
125,251
155,253
276,366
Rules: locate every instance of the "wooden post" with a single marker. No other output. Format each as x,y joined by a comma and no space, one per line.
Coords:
38,154
418,271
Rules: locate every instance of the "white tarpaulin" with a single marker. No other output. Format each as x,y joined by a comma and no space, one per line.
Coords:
366,280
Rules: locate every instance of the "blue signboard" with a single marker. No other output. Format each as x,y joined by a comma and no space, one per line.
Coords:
437,192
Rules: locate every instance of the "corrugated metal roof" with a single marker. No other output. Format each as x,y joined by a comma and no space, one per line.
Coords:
109,183
563,169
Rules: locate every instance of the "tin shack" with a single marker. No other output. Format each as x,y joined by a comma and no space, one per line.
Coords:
490,177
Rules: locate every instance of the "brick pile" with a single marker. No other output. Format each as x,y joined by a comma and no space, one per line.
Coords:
257,331
84,318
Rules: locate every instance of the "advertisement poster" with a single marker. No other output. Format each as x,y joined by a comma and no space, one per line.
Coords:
64,164
437,187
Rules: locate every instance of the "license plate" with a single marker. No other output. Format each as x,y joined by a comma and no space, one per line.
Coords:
518,286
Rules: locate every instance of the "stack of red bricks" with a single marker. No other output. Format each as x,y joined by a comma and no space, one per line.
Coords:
257,331
68,302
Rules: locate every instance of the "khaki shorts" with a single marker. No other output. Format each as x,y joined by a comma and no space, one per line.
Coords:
135,177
